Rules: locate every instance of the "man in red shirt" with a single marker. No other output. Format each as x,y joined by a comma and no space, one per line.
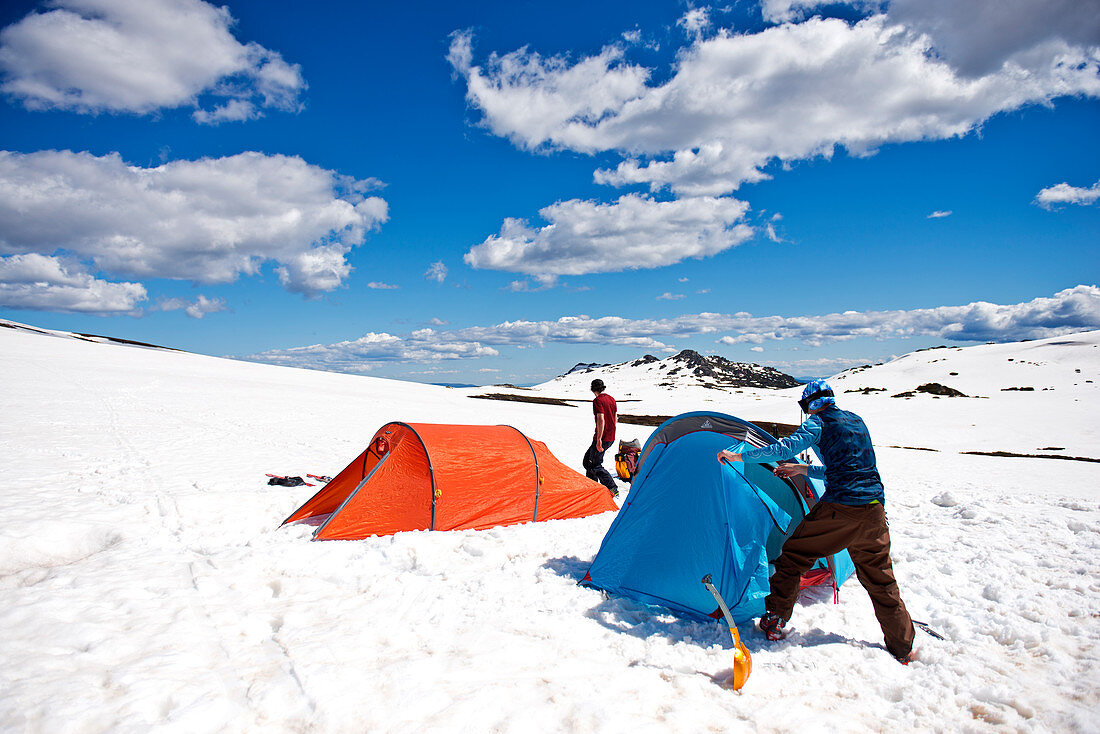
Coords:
605,410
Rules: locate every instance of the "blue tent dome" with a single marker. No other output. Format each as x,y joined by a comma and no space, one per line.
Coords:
687,516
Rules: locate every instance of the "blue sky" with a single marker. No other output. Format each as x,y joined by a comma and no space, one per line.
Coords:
493,193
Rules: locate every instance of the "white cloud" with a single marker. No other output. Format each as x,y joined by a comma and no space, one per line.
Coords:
1071,310
666,296
822,367
756,349
437,271
632,233
532,100
208,221
235,110
682,280
360,355
41,283
737,102
784,11
977,36
195,309
1063,193
542,282
379,286
140,56
695,21
939,214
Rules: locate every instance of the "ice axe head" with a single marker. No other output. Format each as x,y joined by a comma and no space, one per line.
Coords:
742,660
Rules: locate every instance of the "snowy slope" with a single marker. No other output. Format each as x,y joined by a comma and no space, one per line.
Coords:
686,369
1059,411
147,584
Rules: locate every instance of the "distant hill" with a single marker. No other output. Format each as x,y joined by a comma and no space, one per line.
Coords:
685,369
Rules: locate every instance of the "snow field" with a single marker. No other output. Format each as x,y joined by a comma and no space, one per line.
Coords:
147,585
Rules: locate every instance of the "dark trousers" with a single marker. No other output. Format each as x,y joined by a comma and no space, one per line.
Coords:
593,466
830,528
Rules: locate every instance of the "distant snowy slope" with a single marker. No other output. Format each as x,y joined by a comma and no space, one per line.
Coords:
685,369
1057,363
1056,416
1025,397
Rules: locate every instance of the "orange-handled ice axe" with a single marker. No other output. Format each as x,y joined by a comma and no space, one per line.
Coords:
742,660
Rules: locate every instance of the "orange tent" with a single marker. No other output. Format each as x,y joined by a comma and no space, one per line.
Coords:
423,476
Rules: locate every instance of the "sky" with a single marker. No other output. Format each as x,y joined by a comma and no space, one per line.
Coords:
492,192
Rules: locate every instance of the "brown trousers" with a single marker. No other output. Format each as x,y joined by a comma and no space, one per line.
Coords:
830,528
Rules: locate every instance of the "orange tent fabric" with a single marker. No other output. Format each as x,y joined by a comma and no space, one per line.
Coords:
424,476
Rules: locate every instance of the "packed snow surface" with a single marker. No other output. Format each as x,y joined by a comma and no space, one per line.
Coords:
147,584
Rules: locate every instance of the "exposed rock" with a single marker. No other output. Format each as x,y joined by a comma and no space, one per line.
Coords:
726,373
933,388
522,399
688,367
585,367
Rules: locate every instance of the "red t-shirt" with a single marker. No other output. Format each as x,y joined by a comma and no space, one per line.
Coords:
605,405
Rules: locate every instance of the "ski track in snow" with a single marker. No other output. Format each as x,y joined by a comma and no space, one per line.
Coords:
147,584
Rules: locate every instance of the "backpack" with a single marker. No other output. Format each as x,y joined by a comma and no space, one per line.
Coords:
626,460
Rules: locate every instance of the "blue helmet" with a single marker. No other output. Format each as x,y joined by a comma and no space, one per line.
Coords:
816,395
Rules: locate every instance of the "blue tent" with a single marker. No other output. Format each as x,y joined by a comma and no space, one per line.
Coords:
687,516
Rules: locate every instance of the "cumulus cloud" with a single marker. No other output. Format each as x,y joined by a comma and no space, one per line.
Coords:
1071,310
976,36
208,221
737,102
939,214
824,366
632,233
531,100
980,36
361,355
667,296
195,309
542,282
42,283
437,271
92,56
1061,194
695,21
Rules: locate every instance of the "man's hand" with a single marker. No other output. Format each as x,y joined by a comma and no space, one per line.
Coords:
789,470
729,456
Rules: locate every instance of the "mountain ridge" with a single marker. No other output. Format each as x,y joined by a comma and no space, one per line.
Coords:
687,367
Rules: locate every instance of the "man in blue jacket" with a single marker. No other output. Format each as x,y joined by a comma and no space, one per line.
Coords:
849,515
